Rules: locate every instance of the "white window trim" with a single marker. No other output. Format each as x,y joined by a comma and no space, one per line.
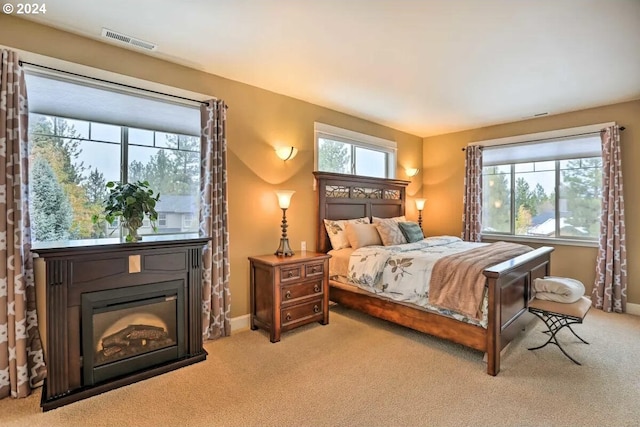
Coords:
357,139
542,240
532,137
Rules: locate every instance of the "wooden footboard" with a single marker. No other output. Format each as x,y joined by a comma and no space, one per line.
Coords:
510,290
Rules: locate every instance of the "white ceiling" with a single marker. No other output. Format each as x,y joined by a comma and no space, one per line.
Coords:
426,67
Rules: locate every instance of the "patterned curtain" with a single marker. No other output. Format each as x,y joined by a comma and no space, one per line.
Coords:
21,357
216,300
472,201
610,287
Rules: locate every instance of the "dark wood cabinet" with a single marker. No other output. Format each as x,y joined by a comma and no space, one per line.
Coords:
80,271
287,292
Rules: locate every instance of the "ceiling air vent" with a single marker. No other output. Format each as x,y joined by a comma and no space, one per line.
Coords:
122,38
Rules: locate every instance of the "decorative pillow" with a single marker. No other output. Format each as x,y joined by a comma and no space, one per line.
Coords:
395,218
411,231
360,235
336,232
390,232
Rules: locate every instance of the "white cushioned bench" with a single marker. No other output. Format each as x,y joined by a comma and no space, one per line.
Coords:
557,315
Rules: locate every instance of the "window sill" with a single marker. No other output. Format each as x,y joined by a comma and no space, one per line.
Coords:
542,240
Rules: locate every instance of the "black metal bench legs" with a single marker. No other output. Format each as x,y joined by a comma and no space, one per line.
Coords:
558,315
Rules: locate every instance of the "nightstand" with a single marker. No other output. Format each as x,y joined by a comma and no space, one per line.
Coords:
287,292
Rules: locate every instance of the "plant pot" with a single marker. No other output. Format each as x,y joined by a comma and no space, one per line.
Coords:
131,231
132,235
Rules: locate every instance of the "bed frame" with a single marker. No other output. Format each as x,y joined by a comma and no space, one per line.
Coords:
510,283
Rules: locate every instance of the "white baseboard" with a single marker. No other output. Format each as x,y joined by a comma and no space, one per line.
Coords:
633,309
240,323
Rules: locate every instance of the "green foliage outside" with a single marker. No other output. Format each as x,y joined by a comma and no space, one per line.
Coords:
53,141
580,187
496,201
51,213
334,156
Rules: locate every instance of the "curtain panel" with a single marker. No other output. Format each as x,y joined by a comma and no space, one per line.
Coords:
472,200
610,287
216,300
22,364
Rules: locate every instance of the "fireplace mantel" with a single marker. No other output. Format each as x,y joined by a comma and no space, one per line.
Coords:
76,269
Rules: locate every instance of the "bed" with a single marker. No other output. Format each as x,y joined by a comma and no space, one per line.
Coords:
509,283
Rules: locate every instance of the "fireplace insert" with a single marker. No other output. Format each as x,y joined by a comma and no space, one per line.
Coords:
130,329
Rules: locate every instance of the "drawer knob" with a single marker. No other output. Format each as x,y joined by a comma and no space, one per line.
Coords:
314,269
316,308
316,288
288,316
290,273
287,294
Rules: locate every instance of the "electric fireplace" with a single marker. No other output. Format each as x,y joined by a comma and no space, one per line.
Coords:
116,313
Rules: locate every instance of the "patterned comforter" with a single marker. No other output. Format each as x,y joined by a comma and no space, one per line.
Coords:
403,272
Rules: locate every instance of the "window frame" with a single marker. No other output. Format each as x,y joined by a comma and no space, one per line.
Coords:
356,140
124,146
532,138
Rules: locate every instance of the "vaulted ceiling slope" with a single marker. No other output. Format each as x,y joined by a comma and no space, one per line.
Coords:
426,67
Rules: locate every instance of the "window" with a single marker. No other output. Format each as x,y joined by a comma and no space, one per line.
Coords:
162,219
544,189
187,221
72,157
344,151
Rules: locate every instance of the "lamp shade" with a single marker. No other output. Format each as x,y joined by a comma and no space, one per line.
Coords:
286,153
284,198
420,204
411,172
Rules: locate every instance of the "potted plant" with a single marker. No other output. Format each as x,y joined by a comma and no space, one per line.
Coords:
130,203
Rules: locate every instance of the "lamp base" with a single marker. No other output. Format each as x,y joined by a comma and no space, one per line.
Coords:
284,249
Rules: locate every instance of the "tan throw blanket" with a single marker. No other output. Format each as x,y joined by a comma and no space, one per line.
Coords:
457,282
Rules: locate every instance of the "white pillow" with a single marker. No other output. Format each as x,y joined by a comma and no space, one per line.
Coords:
360,235
558,289
336,231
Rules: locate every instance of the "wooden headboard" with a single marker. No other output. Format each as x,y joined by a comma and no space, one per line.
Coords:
343,196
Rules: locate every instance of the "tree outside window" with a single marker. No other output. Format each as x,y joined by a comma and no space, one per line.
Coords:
71,161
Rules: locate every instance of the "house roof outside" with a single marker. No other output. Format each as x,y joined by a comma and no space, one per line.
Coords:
169,203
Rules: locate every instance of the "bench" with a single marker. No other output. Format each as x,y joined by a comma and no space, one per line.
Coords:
557,315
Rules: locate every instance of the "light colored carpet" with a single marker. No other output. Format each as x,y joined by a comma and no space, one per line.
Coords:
362,371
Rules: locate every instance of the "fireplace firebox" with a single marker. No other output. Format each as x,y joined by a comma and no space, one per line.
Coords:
116,313
129,329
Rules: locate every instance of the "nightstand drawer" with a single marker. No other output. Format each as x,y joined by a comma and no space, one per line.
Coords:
302,312
312,270
300,290
290,272
287,292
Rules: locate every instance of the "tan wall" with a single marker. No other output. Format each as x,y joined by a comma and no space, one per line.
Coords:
443,183
257,120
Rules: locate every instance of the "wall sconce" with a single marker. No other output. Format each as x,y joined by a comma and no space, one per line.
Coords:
420,207
411,172
286,153
284,200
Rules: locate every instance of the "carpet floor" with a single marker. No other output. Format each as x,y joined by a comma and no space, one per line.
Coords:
361,371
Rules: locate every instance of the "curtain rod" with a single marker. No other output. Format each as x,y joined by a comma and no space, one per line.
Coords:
547,139
113,83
